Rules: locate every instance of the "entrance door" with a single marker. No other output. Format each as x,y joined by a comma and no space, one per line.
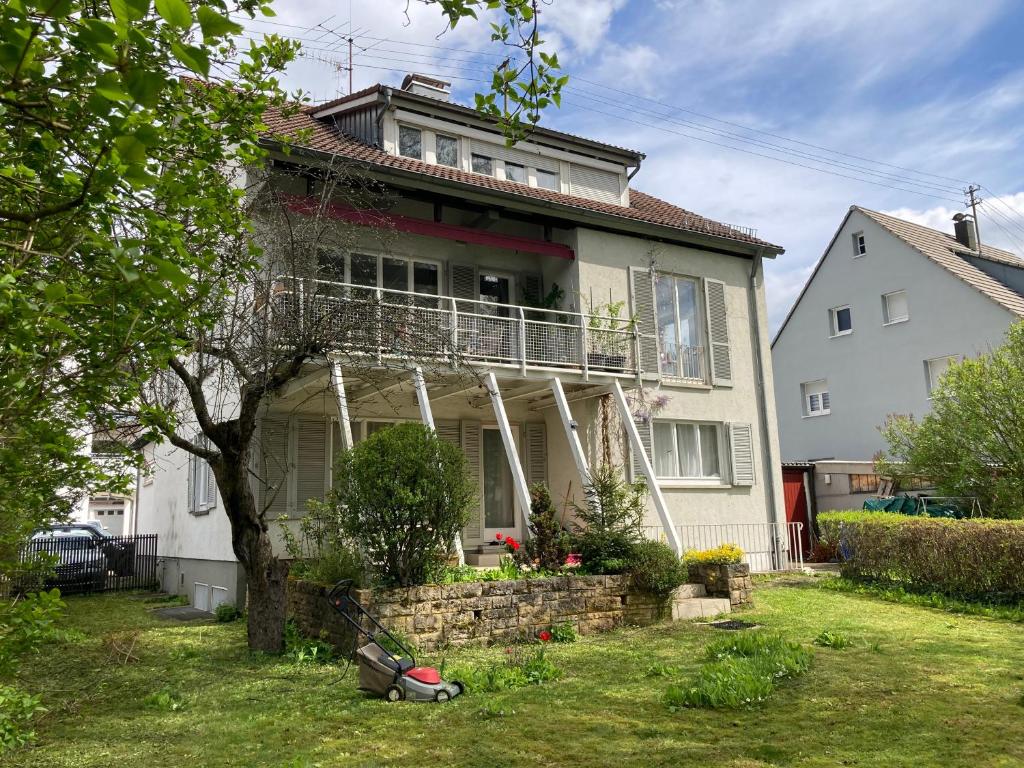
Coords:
498,495
495,288
796,504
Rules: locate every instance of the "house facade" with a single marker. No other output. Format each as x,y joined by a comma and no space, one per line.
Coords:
887,308
549,316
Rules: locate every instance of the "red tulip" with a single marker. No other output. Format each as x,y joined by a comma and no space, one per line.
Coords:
544,636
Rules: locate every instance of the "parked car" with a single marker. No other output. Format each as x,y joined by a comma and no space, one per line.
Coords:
81,565
120,551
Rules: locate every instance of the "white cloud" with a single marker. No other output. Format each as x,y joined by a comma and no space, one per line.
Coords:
584,24
1000,220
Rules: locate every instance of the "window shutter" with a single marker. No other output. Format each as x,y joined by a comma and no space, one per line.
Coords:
594,184
530,287
464,283
471,447
642,299
310,465
211,487
448,431
192,459
647,439
718,333
741,445
274,466
536,454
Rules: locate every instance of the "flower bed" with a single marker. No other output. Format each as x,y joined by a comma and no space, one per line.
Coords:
483,612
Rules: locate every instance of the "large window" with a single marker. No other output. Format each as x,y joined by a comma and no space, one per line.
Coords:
895,308
392,272
687,450
934,369
817,401
410,142
447,150
680,331
840,321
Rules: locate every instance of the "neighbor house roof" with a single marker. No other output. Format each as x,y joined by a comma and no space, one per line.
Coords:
939,247
323,137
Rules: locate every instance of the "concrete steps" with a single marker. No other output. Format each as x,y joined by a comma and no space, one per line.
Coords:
485,557
690,601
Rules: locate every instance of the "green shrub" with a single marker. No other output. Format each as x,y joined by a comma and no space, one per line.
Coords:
522,666
655,568
966,559
402,495
305,650
227,612
321,551
605,552
17,710
830,639
740,670
26,623
548,544
724,554
564,633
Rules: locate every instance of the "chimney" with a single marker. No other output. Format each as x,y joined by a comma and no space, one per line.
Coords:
965,230
422,85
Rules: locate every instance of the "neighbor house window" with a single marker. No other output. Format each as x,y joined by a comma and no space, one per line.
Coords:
816,398
934,369
547,179
840,321
860,247
894,307
410,142
680,331
483,164
447,150
686,450
515,172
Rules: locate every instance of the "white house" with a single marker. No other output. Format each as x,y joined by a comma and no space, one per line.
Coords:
482,231
887,308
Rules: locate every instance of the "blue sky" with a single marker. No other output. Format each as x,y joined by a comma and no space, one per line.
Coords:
928,85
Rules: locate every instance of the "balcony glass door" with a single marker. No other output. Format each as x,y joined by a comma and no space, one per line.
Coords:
498,495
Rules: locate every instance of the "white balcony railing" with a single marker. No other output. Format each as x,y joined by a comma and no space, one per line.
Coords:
767,547
392,323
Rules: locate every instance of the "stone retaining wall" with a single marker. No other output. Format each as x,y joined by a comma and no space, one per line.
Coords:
731,581
482,612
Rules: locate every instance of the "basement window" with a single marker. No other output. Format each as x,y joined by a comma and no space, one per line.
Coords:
410,142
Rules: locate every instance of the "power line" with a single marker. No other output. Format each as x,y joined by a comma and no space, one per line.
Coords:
1014,214
992,218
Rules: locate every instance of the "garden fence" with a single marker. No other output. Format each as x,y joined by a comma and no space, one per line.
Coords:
84,564
767,547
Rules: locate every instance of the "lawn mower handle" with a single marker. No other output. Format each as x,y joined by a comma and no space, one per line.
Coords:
341,599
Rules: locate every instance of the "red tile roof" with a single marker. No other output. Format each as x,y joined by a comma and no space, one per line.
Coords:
321,136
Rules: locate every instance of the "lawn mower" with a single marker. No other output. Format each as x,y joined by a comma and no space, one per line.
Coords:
392,675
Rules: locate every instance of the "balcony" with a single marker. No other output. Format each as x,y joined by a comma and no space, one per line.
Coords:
391,324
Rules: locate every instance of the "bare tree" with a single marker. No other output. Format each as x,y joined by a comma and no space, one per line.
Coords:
279,321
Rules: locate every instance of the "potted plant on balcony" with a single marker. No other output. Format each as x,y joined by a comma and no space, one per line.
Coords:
609,336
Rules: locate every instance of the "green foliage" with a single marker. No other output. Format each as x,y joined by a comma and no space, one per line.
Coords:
828,638
227,612
655,568
17,711
740,671
523,665
896,594
321,551
549,543
564,633
402,495
724,554
301,649
507,570
26,624
971,443
605,552
165,700
609,525
965,559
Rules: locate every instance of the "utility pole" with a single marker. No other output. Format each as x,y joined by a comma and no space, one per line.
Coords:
972,192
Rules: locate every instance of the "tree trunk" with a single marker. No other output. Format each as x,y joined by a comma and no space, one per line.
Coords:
266,576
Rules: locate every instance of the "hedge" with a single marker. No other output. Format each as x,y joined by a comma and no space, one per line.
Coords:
967,559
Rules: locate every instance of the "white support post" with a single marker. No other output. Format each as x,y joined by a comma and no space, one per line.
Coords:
427,415
575,447
338,384
648,470
518,477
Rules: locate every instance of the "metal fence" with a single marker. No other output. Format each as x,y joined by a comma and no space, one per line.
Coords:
766,547
86,563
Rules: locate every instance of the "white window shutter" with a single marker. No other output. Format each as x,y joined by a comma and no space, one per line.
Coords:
310,463
448,431
641,295
471,447
643,427
536,454
192,459
211,487
741,447
273,465
718,333
464,283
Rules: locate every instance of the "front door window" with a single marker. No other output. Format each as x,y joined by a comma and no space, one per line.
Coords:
498,497
495,289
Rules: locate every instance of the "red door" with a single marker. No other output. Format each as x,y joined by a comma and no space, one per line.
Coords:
796,504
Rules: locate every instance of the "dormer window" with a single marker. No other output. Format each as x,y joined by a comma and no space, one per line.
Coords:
515,172
410,142
547,179
483,164
447,150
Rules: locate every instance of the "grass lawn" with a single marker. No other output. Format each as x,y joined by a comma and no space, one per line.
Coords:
918,687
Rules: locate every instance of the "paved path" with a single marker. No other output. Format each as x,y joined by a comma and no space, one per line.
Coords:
182,613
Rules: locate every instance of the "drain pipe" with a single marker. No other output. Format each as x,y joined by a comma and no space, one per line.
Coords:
762,402
380,117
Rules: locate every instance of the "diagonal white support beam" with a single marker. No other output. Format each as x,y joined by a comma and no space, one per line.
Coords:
427,415
569,424
338,384
518,477
645,464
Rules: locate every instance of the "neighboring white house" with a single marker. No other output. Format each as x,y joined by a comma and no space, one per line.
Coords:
887,308
483,230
